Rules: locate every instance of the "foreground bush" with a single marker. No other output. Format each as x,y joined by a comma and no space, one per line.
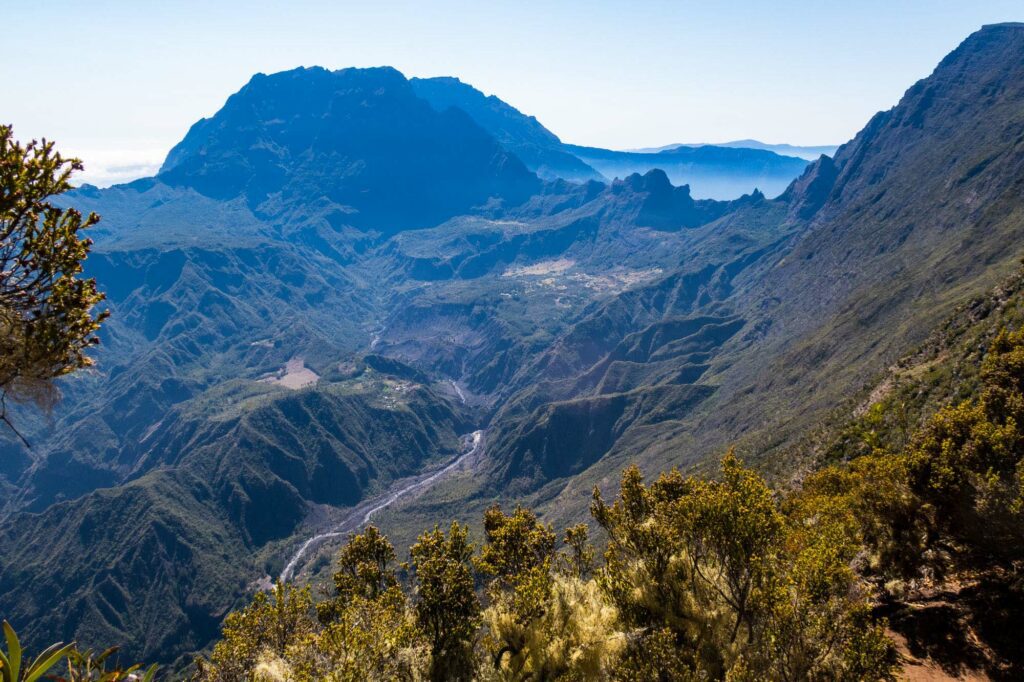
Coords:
700,580
64,663
719,579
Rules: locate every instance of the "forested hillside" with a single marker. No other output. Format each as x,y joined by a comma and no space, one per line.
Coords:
899,556
351,297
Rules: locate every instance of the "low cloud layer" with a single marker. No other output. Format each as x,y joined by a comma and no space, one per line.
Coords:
106,167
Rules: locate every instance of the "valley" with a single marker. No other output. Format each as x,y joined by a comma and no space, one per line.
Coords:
356,518
349,296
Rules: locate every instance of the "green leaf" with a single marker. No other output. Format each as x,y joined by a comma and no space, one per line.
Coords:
5,669
13,651
45,661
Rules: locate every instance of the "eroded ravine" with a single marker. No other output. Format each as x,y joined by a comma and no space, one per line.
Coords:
361,514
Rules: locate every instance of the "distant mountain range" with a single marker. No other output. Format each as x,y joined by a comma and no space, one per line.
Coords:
712,172
341,274
811,153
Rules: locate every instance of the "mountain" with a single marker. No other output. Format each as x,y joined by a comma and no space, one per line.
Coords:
716,172
354,138
781,310
250,282
921,209
156,562
294,335
810,153
713,172
524,136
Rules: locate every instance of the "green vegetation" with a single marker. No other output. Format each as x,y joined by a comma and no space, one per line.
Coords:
46,319
78,666
952,498
46,327
587,329
701,579
10,663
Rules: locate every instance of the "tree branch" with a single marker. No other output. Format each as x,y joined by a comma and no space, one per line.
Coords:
6,420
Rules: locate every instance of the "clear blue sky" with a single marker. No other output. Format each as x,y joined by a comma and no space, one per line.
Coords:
119,82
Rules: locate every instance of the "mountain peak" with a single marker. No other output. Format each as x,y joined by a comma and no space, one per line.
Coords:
1003,25
489,111
654,181
941,132
993,45
357,137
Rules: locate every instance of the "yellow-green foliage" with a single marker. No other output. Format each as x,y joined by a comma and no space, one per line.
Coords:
542,624
367,631
364,571
579,561
46,319
701,579
952,497
447,609
515,543
714,581
571,633
368,639
259,634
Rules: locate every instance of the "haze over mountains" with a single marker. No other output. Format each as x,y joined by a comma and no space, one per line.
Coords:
811,153
718,172
341,273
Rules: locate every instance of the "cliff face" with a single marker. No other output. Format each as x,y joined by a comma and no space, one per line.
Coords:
856,262
922,208
926,192
358,138
523,135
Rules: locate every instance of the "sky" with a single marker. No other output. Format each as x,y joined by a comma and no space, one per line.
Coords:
118,83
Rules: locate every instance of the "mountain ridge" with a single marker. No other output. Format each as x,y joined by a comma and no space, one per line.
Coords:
376,137
583,326
713,173
807,152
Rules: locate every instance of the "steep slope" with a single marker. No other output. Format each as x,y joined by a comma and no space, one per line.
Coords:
524,136
642,362
479,300
922,210
250,284
963,624
584,325
156,563
185,319
230,377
